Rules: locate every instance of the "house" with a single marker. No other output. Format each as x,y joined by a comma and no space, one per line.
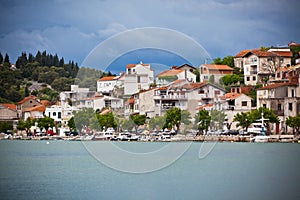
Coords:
35,112
105,85
100,101
213,72
260,65
73,96
144,103
170,75
137,77
233,103
186,96
27,103
9,113
185,67
55,112
283,99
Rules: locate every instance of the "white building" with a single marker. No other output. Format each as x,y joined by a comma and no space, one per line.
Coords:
101,101
105,85
168,76
137,77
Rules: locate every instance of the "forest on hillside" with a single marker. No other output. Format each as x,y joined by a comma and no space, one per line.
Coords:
43,75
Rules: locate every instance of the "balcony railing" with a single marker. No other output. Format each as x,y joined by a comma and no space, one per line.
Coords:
170,96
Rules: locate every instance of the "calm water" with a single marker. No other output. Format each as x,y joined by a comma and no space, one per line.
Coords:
65,170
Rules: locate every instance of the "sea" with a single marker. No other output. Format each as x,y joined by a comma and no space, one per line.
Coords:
70,170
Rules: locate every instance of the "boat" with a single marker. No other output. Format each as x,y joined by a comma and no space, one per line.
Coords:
260,138
262,133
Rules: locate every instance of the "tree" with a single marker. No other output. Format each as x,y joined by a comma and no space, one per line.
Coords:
294,122
211,79
6,59
82,118
228,60
157,122
267,114
5,126
45,122
127,124
1,58
176,116
71,124
217,119
106,120
202,121
244,120
138,120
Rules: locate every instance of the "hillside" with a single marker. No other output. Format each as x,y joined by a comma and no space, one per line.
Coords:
43,75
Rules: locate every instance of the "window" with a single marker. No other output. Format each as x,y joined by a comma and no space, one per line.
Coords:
291,106
292,93
59,115
254,78
244,103
201,91
206,77
54,114
138,79
279,107
265,105
107,103
248,78
281,60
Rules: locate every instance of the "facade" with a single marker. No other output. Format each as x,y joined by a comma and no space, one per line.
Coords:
259,65
137,77
8,112
186,96
216,71
55,112
106,84
168,76
27,103
233,103
74,95
98,102
283,99
35,112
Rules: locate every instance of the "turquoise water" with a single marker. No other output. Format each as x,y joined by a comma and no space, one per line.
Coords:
65,170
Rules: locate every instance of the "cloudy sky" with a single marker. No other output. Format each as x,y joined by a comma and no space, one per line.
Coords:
73,28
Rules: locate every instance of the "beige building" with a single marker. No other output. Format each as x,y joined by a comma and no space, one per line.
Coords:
260,65
233,103
168,76
209,71
283,99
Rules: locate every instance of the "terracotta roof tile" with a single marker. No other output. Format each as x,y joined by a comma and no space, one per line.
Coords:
107,78
276,85
218,67
170,72
231,95
10,106
261,53
27,99
40,108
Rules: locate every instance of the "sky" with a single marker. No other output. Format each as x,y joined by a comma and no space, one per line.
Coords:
74,28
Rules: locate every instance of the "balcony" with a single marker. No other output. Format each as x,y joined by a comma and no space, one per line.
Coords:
279,112
171,97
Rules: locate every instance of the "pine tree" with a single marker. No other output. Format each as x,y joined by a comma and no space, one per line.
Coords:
1,58
38,57
6,58
61,62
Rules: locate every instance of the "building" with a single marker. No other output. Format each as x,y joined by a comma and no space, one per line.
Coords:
233,103
9,113
55,112
26,104
284,99
105,85
98,102
213,72
260,65
137,77
73,96
168,76
35,112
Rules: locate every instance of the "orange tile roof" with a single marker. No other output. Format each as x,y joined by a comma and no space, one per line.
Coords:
45,102
107,78
130,101
218,67
10,106
276,85
206,106
170,72
129,66
40,108
27,98
284,53
261,53
231,95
